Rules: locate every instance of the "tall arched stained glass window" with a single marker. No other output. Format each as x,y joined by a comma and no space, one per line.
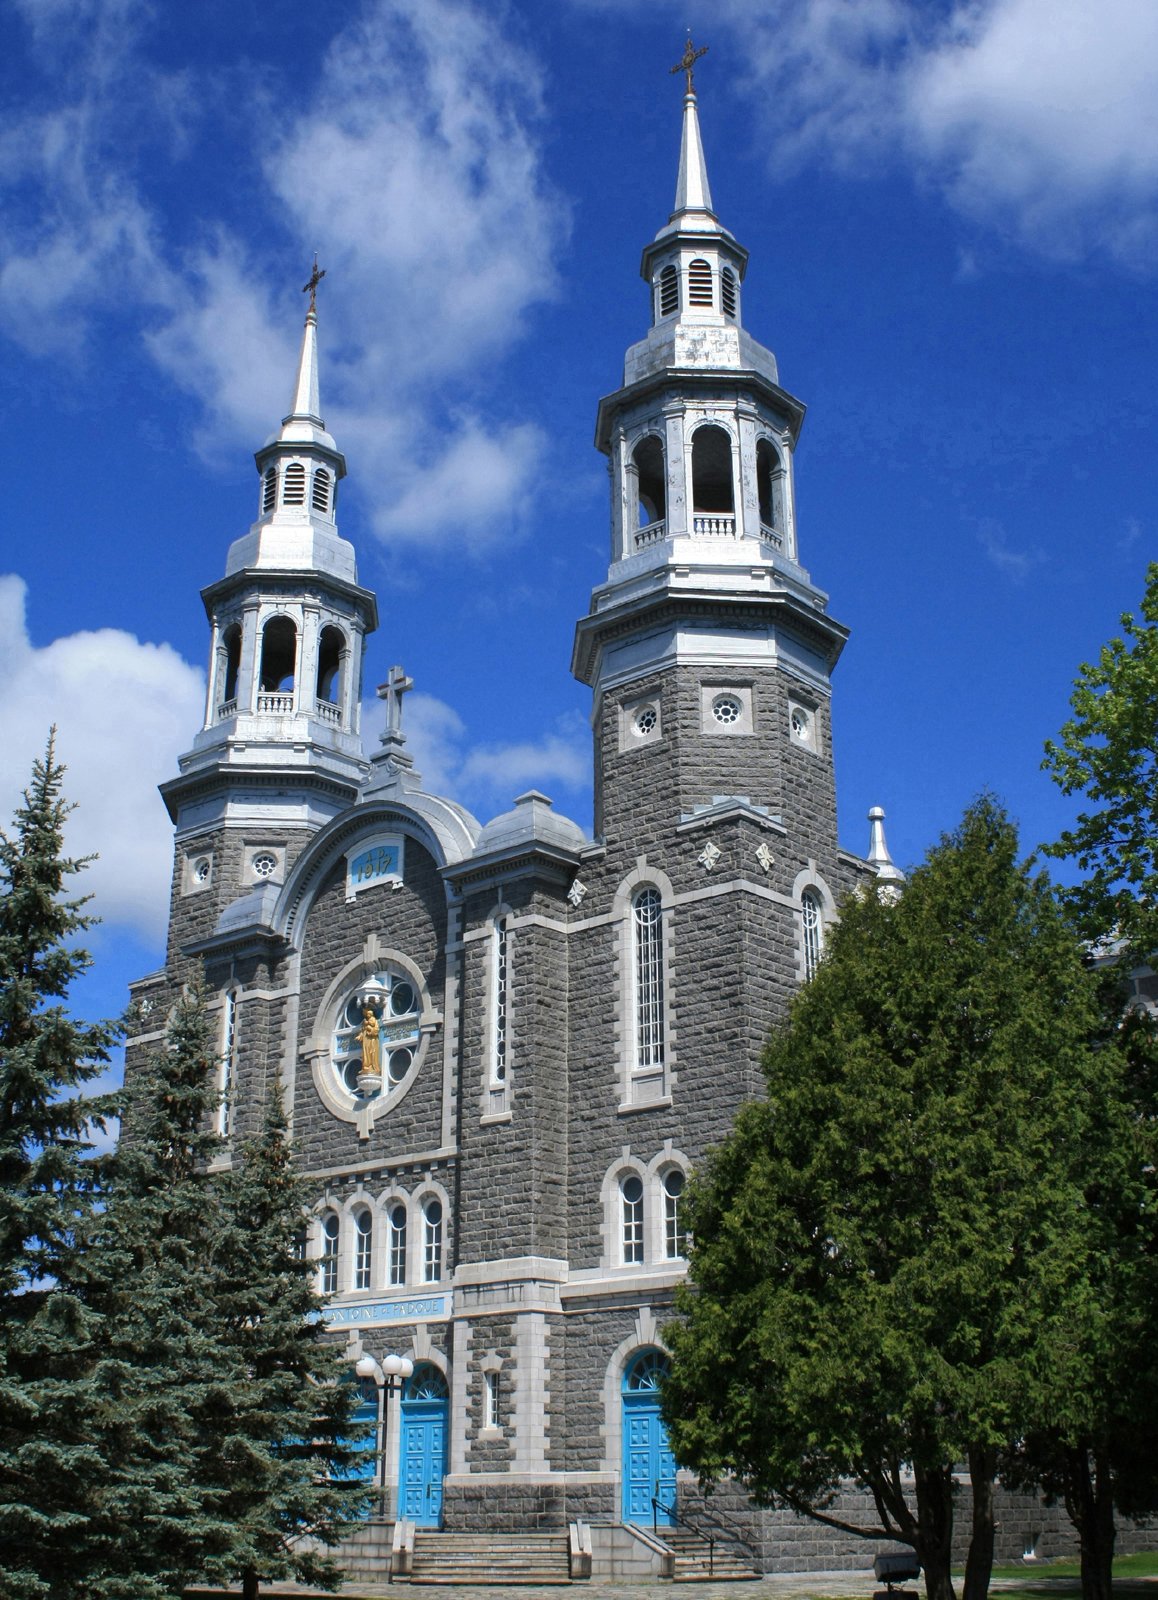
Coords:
812,925
647,919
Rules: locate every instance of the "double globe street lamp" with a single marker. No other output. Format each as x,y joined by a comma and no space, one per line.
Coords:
389,1375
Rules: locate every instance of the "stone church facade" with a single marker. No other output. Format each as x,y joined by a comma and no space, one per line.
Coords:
504,1047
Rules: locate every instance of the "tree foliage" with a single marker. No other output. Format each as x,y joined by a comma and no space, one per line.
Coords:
1108,752
893,1250
48,1181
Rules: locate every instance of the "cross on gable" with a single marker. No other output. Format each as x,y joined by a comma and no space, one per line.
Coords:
397,684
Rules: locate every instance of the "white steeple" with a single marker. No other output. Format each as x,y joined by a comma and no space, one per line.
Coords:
288,617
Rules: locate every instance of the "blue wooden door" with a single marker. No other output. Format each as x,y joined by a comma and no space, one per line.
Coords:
422,1463
649,1468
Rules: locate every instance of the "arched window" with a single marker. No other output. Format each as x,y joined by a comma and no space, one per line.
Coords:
432,1240
279,650
268,491
770,488
330,1230
700,283
331,649
396,1219
363,1248
728,291
712,471
225,1070
426,1384
320,499
669,291
231,644
674,1235
812,928
499,1036
647,927
651,476
631,1212
293,489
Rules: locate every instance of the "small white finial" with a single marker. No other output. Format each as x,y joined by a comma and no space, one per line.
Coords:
878,852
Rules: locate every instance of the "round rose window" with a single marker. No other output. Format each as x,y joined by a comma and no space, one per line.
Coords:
377,1030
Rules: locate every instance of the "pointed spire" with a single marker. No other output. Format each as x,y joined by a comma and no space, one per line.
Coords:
306,403
692,191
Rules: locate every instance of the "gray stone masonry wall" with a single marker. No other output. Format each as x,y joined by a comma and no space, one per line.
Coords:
490,1336
411,919
517,1168
194,916
733,956
780,1541
505,1508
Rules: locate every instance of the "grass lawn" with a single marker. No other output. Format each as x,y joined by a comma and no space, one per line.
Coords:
1139,1566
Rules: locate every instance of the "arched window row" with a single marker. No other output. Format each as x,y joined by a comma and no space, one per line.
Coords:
278,666
288,486
702,287
645,1219
382,1244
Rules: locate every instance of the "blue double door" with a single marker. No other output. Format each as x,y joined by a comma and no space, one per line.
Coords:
649,1469
422,1461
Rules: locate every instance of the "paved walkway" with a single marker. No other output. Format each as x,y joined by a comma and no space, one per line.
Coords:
777,1586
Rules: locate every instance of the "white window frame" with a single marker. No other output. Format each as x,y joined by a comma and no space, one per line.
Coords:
226,1065
363,1273
433,1238
808,955
674,1233
330,1252
397,1241
646,1082
632,1219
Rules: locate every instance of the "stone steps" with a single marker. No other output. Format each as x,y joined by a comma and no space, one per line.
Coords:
728,1563
507,1559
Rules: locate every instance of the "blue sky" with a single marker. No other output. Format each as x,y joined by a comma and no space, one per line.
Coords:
951,215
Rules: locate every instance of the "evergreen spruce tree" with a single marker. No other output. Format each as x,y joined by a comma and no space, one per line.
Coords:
157,1381
47,1184
288,1446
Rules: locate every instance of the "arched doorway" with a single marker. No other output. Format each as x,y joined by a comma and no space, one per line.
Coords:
649,1468
422,1449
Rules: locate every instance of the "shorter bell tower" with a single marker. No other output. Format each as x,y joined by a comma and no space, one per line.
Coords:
279,752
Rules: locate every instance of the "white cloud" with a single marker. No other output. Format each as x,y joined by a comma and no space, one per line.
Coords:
486,777
85,683
416,175
1038,118
1014,563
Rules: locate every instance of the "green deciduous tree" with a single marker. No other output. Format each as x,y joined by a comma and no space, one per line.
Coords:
47,1181
1108,753
891,1250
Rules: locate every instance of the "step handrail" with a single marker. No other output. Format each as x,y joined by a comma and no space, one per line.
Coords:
725,1520
657,1506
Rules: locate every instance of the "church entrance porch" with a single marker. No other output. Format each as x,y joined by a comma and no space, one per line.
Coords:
649,1468
422,1448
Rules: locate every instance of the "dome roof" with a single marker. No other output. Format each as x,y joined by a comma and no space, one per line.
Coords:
531,822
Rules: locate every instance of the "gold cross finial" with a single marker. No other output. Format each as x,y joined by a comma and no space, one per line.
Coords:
311,288
687,61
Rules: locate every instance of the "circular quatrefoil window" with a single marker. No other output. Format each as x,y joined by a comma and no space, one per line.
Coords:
727,709
264,864
377,1027
646,719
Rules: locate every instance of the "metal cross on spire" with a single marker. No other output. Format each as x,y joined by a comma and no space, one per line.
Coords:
688,60
311,288
397,684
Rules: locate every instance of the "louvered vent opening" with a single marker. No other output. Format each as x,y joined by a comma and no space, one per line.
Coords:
728,291
321,496
269,490
294,485
669,291
700,284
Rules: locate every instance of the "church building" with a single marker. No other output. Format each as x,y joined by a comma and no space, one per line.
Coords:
503,1046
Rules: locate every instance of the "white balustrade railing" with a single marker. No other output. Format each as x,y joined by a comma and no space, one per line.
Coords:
713,525
650,533
770,536
227,708
277,704
328,712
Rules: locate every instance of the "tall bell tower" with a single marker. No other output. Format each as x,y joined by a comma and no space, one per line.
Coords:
708,646
279,753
